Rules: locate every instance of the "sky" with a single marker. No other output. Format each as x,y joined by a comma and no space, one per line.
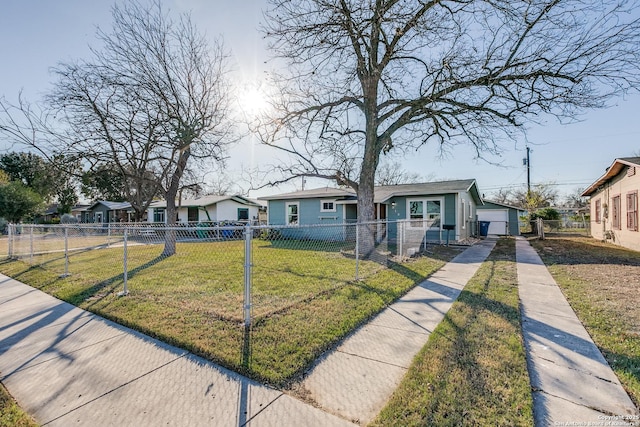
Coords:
35,35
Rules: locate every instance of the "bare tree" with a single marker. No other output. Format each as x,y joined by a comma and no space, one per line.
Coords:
369,77
503,195
575,199
540,196
151,101
392,173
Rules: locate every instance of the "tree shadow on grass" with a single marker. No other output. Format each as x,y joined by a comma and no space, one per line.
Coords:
97,291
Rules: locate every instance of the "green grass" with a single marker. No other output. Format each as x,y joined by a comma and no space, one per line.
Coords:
305,299
11,415
473,369
602,284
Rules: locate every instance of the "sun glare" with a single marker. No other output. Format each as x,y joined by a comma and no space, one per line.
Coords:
253,100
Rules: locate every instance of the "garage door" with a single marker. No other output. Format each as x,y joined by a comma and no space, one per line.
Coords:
498,218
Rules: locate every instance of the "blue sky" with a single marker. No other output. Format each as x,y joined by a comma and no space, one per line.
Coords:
35,35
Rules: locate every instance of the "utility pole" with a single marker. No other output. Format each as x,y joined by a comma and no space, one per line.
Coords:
527,162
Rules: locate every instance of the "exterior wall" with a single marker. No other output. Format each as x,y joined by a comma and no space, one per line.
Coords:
620,185
309,212
398,211
514,222
465,212
227,210
98,209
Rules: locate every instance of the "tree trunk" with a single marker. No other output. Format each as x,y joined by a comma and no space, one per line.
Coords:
365,190
172,192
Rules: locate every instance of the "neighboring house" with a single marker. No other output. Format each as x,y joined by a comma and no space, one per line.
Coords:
51,214
208,209
433,207
614,203
503,219
104,212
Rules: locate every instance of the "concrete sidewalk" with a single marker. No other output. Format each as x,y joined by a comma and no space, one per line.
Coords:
357,378
571,381
66,366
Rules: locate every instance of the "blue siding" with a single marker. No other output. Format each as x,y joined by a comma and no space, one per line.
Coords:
309,214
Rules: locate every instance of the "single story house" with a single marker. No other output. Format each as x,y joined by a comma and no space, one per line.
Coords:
51,214
104,212
432,209
504,220
208,209
614,203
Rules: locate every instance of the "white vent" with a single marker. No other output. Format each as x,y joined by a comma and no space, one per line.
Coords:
631,171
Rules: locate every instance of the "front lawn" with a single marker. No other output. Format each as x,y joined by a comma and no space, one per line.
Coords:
304,299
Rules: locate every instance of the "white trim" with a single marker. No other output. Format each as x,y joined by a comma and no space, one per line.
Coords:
286,213
323,201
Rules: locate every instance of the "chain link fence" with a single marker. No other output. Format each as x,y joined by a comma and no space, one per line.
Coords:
540,226
238,272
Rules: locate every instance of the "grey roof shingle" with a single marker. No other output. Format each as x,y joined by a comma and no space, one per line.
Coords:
384,192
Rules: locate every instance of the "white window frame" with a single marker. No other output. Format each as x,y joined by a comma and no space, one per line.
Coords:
424,211
286,213
463,214
323,201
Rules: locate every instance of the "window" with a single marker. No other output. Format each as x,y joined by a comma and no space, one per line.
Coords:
416,213
293,213
463,213
632,211
243,214
615,213
158,214
424,213
598,210
327,205
192,214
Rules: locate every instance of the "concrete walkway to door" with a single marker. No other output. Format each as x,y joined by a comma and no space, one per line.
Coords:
572,382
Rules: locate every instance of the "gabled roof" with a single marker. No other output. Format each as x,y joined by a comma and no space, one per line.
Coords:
112,206
502,205
616,167
383,193
320,193
206,201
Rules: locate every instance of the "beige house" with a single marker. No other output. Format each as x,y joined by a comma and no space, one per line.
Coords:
614,203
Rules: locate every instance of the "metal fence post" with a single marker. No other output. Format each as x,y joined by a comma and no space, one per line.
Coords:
66,252
31,245
400,238
10,243
247,276
357,250
125,290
